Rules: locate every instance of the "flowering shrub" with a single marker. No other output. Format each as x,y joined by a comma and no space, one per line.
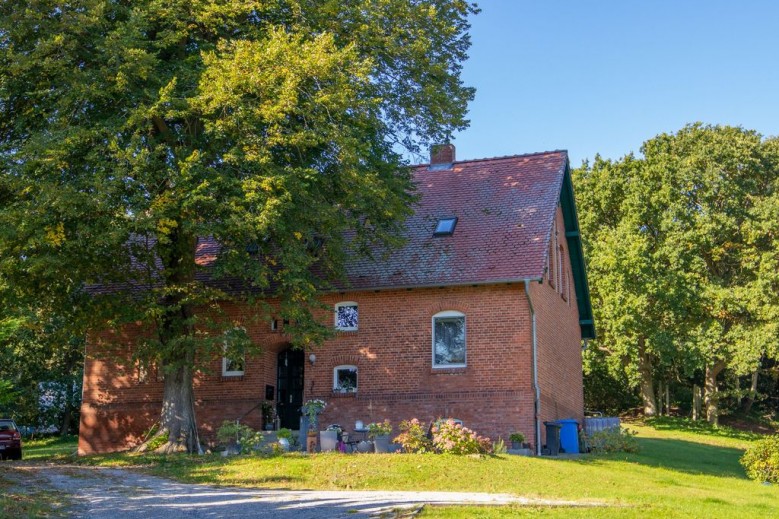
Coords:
452,438
613,440
413,436
379,429
761,460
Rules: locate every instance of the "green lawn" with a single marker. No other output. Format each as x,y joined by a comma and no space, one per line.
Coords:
51,448
683,470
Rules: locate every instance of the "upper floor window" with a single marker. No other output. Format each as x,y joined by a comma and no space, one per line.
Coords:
449,340
345,379
346,316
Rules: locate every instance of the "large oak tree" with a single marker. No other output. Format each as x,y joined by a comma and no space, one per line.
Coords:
130,132
682,252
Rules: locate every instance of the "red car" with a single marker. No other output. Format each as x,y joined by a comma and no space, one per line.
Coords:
10,440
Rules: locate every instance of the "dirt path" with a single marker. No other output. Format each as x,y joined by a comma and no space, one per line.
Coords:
102,493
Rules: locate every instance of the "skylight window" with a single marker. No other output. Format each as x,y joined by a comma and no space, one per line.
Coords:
445,226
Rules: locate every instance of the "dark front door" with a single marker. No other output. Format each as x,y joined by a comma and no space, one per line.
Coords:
290,384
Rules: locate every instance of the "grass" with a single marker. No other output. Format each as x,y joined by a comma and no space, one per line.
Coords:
51,448
684,469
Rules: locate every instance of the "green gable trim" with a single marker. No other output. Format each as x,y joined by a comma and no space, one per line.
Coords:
578,267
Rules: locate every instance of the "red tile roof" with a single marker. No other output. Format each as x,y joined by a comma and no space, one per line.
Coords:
505,207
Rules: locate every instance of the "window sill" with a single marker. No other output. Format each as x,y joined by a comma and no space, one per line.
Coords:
448,371
232,378
339,394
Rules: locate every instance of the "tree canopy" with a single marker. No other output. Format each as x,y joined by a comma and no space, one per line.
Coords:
132,131
682,252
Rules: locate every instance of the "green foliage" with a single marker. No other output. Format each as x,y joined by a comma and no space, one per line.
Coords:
131,132
379,429
450,437
157,442
606,385
413,437
41,355
499,447
761,460
682,255
236,434
284,433
516,437
613,440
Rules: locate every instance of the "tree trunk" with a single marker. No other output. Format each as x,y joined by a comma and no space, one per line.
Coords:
660,398
667,399
178,409
710,399
647,384
696,402
65,428
178,345
749,400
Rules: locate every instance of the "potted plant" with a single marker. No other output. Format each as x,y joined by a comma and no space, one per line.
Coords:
312,409
517,439
380,432
284,437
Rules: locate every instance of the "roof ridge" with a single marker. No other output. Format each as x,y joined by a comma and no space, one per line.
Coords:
500,157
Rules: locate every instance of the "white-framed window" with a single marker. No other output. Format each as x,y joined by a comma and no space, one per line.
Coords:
346,316
233,365
449,340
234,352
345,379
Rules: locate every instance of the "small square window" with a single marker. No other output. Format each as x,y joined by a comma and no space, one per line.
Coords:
345,379
346,316
445,226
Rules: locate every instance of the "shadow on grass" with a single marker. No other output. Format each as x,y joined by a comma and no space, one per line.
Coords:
665,423
689,457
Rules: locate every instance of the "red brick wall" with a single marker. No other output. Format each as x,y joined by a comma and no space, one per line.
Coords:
393,352
559,343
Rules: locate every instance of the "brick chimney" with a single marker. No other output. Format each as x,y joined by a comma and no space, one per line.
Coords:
442,156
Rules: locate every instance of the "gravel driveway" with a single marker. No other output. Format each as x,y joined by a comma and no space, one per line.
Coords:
102,493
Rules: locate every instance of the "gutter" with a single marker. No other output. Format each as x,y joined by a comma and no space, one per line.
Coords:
536,389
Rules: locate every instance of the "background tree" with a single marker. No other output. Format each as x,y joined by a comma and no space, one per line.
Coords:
132,133
639,289
681,249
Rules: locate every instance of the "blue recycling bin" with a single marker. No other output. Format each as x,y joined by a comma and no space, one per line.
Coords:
569,436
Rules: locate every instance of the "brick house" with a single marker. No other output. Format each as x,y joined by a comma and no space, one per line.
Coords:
479,316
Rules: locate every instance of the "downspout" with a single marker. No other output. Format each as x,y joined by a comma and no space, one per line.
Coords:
536,389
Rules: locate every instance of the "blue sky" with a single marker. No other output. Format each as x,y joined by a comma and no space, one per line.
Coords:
602,76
